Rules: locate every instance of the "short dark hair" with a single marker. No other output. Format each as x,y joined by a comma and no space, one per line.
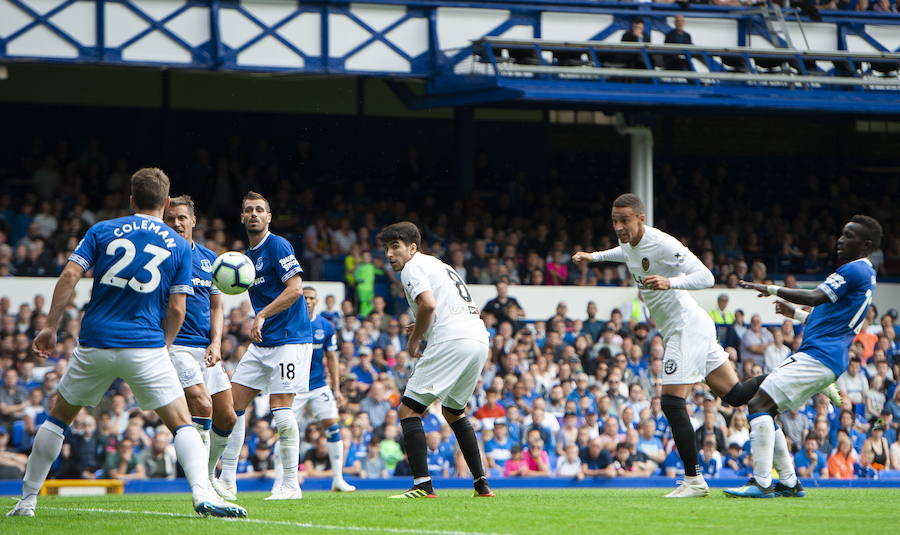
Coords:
149,188
629,200
310,288
253,196
182,200
404,231
871,229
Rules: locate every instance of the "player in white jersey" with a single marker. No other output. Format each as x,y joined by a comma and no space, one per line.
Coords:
196,353
457,348
663,269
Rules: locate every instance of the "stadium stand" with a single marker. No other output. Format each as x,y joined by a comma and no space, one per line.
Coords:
572,387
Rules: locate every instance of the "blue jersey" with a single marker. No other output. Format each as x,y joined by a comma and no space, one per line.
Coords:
275,264
831,327
195,329
137,261
324,340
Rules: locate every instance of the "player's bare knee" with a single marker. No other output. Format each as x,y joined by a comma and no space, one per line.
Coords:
224,419
199,403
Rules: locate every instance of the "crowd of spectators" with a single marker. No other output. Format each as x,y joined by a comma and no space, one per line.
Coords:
571,396
564,397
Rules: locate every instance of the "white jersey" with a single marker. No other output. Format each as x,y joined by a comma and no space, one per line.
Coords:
455,315
659,253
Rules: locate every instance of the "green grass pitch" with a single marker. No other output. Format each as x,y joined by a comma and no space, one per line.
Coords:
551,511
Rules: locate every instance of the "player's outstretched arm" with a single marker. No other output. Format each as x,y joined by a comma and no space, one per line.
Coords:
609,255
174,317
45,341
814,297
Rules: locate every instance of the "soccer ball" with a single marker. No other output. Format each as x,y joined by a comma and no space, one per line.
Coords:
233,273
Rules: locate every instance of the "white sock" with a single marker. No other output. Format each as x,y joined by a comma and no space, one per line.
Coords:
48,442
783,460
762,445
288,443
217,444
192,456
279,469
233,450
335,453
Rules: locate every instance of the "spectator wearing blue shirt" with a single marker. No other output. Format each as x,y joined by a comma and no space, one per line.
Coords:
649,444
581,391
498,449
364,371
438,465
847,423
733,461
596,460
673,466
709,458
810,462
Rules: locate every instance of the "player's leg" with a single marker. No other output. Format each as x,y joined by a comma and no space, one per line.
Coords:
242,396
324,409
290,375
250,376
453,408
723,379
410,412
156,387
191,369
47,444
683,366
763,410
223,422
87,377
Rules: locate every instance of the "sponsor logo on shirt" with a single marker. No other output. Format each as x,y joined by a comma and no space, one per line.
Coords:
205,265
259,280
197,281
289,262
835,280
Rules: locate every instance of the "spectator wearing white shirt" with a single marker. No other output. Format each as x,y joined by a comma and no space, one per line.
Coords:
776,352
755,341
853,383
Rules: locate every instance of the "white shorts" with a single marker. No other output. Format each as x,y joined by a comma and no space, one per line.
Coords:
799,378
321,403
448,371
691,354
190,364
148,371
276,370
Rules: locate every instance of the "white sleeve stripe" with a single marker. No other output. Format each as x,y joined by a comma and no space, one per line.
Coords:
294,271
78,259
182,289
828,291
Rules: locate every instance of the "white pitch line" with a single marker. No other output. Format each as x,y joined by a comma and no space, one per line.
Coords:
303,525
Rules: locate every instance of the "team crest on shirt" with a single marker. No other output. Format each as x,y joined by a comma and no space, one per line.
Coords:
319,334
670,366
645,263
187,375
259,263
205,265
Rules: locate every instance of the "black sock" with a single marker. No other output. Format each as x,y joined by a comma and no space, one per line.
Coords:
416,448
468,444
682,431
742,392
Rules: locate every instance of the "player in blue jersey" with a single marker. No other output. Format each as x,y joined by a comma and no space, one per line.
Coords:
196,353
840,305
278,359
323,398
142,277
